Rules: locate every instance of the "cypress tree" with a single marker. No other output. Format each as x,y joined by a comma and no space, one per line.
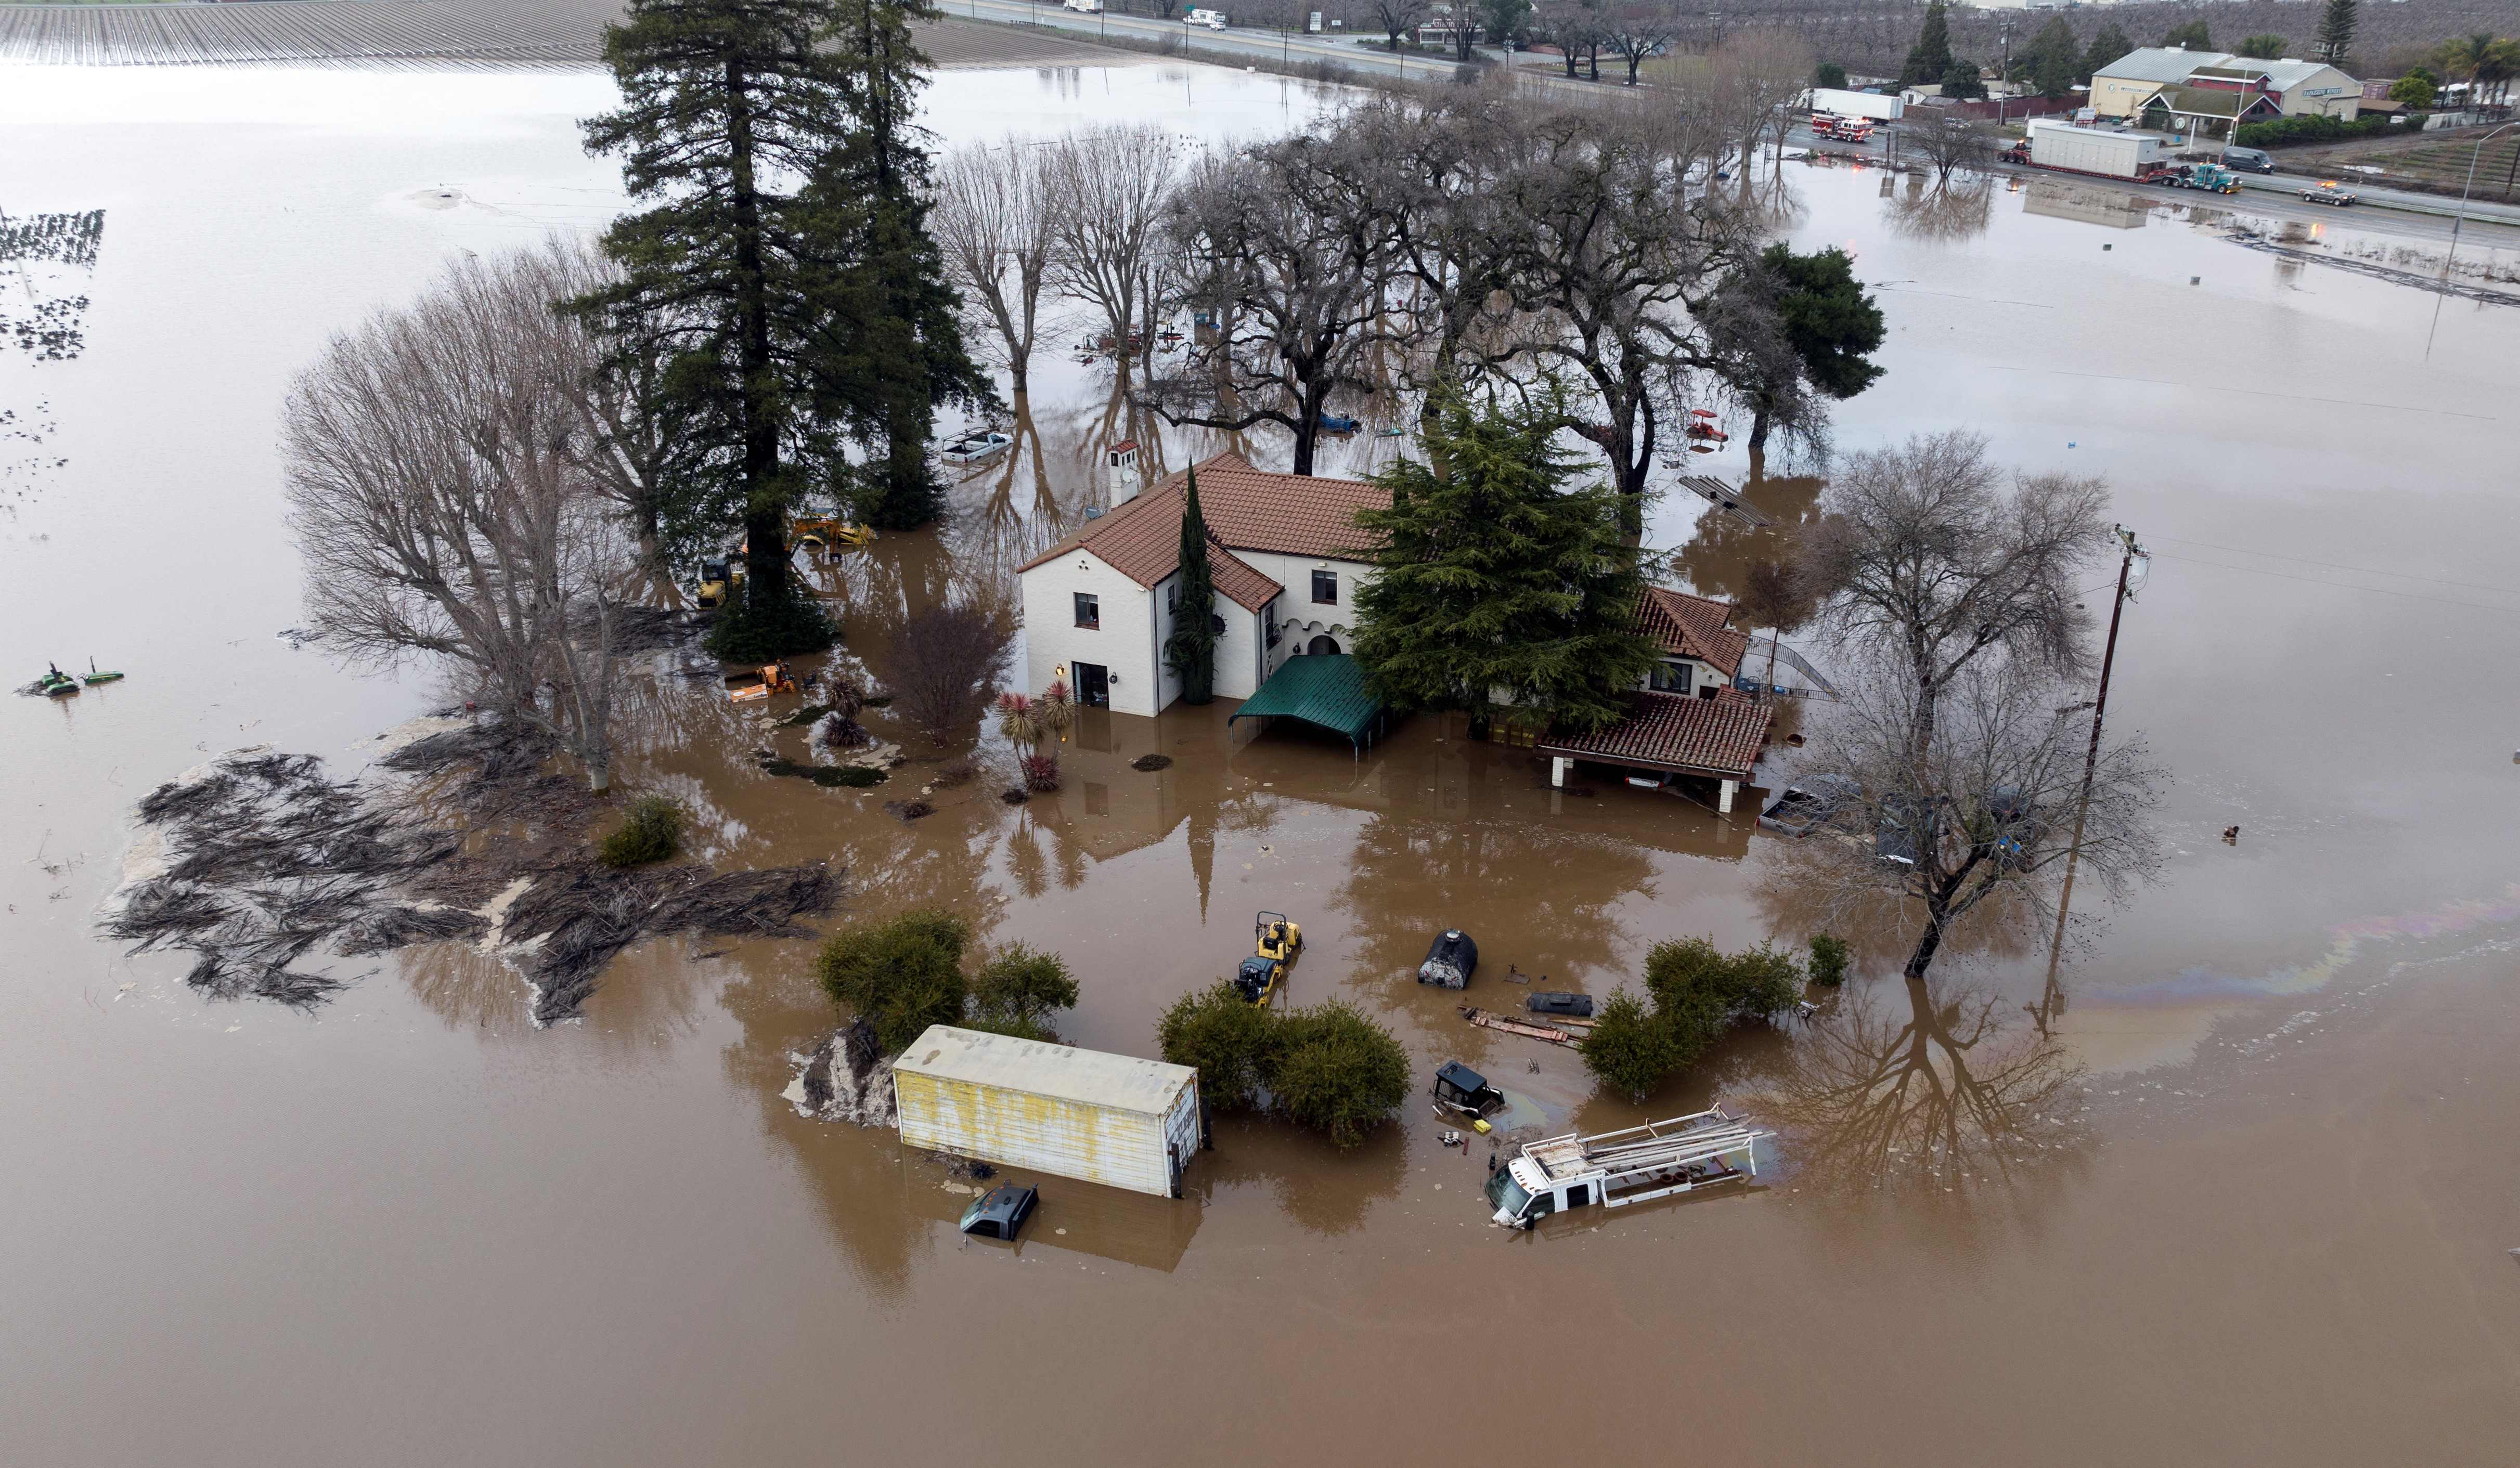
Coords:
2106,47
905,334
1191,650
1491,574
2054,59
731,272
1929,61
2336,32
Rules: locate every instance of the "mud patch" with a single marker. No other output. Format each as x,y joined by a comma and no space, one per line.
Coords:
846,1079
266,870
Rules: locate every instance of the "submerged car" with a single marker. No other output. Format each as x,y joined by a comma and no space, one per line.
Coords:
1449,961
977,448
1806,808
1001,1211
1561,1002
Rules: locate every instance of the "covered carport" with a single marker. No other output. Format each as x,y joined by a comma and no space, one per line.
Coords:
1716,739
1327,690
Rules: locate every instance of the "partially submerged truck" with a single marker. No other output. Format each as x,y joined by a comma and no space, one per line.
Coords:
1633,1165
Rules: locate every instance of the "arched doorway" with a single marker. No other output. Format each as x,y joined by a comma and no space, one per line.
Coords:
1322,646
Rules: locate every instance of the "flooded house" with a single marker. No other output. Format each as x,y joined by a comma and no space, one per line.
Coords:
1282,551
1689,721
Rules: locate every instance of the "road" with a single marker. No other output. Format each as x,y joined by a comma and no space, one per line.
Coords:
1222,47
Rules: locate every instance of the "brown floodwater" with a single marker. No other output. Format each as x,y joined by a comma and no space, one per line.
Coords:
2238,1187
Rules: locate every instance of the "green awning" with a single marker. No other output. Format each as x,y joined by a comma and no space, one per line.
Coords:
1326,690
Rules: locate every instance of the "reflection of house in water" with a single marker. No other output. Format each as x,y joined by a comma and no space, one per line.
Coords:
2117,211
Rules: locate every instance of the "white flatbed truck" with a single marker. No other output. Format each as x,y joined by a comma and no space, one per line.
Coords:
1628,1166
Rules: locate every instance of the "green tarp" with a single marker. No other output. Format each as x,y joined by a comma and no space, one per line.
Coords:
1326,690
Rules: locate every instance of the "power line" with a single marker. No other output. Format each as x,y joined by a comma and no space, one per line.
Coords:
2333,565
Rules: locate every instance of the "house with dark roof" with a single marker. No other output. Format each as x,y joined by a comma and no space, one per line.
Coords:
1284,552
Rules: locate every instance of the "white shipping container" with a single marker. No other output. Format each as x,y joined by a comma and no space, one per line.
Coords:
1051,1108
1855,104
2086,150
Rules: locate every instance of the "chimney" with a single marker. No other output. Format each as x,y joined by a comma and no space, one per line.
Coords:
1120,471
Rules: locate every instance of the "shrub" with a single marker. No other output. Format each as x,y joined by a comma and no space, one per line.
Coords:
1225,1039
1041,772
844,695
1056,707
2309,127
651,830
900,975
1829,956
1018,990
1017,719
1629,1049
1337,1072
942,665
840,731
956,772
1698,993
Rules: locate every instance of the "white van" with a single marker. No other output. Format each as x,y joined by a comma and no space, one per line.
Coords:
1089,7
1213,20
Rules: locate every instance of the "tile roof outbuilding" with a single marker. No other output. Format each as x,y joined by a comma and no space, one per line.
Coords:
1698,627
1720,735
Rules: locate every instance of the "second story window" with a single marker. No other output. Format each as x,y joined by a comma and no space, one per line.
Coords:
1326,588
1269,620
1089,610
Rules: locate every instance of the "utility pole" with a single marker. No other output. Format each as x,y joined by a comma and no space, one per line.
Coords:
2003,83
2051,1001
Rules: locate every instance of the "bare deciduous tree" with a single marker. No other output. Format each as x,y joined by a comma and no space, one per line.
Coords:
1108,186
1924,560
943,667
1398,17
1947,146
438,482
995,223
1604,248
1983,813
1291,247
1636,30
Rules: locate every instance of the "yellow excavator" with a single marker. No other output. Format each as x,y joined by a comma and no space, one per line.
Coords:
830,535
1277,941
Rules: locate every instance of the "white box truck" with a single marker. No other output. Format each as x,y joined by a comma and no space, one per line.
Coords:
2101,151
1837,103
1613,1169
1213,20
1089,7
1050,1108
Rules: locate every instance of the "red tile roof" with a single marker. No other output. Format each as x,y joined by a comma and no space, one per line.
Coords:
1720,735
1246,510
1698,627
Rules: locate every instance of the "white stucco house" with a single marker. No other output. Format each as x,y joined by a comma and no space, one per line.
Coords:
1282,553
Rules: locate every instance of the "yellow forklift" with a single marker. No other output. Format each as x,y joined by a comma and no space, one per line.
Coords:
1277,941
719,580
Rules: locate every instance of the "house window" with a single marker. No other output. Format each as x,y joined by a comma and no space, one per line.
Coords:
1671,678
1326,588
1089,610
1269,620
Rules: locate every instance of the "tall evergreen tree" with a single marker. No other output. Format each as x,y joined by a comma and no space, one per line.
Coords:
2335,38
2107,46
2054,59
904,330
1492,576
730,268
1191,650
2195,35
1929,61
1831,322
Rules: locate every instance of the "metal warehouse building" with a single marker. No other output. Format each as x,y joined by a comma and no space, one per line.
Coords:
1051,1108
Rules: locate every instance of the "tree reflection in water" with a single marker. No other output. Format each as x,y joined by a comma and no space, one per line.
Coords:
1952,211
1941,1093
